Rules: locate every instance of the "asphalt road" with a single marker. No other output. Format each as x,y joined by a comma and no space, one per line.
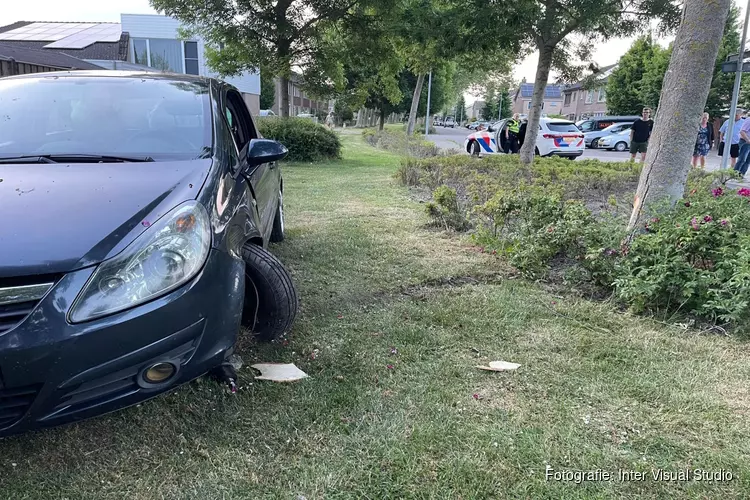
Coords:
453,138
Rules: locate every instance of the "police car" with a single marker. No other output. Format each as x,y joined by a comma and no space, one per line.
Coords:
555,138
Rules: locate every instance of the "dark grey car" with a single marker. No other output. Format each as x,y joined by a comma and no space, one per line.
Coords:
136,214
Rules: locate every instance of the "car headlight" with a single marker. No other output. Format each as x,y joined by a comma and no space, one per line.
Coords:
169,253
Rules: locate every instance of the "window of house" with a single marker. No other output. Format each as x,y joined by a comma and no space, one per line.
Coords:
567,100
166,54
589,97
140,52
191,58
602,95
575,95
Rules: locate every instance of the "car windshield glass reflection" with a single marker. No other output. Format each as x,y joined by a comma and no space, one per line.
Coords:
108,116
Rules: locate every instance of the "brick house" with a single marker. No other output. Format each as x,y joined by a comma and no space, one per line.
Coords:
553,99
299,102
581,100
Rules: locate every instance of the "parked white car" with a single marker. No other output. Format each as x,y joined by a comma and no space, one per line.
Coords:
450,122
555,138
618,142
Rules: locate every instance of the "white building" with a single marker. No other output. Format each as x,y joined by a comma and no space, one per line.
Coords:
155,42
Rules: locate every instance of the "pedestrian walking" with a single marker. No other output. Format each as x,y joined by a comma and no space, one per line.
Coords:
734,144
743,157
511,133
640,133
330,120
704,142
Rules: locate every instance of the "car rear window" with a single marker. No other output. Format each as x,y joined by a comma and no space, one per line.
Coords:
562,127
104,116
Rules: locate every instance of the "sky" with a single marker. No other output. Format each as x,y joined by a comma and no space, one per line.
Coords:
70,10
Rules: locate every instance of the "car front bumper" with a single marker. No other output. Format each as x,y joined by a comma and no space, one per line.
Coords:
53,372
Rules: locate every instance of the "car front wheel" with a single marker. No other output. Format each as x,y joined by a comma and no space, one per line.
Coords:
621,146
271,300
474,149
595,144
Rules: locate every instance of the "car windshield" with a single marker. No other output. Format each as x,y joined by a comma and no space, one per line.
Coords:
616,127
586,126
112,116
562,127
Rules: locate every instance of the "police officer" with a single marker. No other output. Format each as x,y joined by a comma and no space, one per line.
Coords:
511,133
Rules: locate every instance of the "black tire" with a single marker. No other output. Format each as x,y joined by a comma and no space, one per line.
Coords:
277,233
572,158
270,295
620,147
474,149
595,144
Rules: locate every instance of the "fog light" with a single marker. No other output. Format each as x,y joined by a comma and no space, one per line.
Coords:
159,373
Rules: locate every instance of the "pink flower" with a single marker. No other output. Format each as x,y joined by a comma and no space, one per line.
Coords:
655,220
724,222
707,218
744,192
717,192
694,223
390,367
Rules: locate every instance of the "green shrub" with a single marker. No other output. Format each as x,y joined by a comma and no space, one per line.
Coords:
694,258
445,211
305,139
398,142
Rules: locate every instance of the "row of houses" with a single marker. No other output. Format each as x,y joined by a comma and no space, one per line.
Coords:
139,42
575,102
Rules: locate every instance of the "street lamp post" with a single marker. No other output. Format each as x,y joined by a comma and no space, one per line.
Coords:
427,118
735,92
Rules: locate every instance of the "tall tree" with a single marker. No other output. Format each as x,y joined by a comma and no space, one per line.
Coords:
653,77
273,34
551,21
720,95
624,96
683,98
267,90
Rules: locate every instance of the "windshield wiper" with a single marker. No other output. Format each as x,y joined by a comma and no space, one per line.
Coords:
26,159
74,157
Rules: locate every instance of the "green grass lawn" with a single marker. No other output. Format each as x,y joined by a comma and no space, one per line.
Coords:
597,389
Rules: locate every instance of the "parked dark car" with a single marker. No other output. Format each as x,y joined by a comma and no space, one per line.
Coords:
136,214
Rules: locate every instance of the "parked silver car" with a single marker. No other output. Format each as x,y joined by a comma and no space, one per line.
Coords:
592,138
619,141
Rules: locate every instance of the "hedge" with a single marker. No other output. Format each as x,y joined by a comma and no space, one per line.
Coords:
305,139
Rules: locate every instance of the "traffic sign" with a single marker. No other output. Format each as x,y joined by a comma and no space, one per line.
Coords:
731,67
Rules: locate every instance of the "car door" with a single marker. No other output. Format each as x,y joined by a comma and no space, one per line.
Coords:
265,179
499,130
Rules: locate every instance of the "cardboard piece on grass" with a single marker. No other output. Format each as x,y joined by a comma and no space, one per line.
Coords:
279,372
499,366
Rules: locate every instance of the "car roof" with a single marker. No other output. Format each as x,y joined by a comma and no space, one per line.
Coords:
104,73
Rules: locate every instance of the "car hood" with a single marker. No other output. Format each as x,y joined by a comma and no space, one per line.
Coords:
60,217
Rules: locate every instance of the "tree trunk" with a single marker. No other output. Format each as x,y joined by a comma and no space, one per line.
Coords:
683,98
414,105
284,110
359,118
537,100
382,119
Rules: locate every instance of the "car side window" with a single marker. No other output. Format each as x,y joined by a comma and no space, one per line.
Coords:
239,119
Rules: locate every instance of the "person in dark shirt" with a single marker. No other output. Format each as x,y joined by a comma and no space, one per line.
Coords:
640,133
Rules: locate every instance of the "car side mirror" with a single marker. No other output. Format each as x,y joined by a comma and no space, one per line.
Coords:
260,151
